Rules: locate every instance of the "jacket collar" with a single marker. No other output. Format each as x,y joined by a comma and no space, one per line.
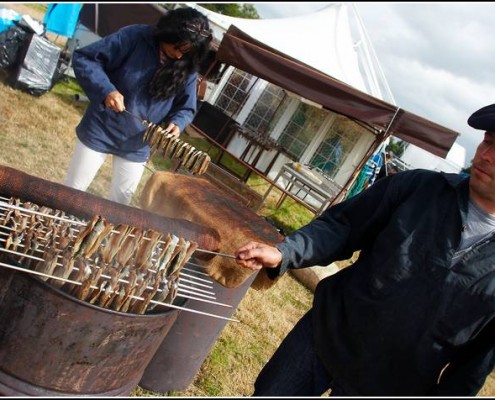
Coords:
460,183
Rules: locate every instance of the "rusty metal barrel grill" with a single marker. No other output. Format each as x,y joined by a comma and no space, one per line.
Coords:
188,343
192,337
51,343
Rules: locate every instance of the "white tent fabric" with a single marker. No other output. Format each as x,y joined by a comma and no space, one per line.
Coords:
322,39
416,157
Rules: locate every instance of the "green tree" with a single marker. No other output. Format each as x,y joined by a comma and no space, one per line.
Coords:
396,146
233,10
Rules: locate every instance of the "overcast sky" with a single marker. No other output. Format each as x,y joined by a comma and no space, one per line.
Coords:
438,58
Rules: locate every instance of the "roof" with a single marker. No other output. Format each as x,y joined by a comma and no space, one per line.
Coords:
248,54
323,39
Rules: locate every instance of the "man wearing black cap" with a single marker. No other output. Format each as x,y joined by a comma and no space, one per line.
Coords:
415,314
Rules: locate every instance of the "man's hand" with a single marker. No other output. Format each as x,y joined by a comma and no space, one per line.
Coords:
255,256
115,101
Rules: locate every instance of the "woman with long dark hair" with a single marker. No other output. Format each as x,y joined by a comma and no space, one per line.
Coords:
150,71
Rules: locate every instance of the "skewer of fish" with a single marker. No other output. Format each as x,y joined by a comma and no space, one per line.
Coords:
160,281
87,243
63,218
166,144
134,297
204,294
59,267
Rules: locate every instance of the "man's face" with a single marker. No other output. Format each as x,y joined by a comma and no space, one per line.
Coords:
482,181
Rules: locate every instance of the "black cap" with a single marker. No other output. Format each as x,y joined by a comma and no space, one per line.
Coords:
483,119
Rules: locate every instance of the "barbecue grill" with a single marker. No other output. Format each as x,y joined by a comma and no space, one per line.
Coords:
191,337
54,339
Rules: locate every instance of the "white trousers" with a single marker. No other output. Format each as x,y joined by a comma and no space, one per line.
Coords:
85,164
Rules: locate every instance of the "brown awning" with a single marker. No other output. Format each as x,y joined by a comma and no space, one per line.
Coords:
248,54
104,19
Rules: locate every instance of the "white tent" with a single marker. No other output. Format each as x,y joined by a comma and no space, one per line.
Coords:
332,40
416,157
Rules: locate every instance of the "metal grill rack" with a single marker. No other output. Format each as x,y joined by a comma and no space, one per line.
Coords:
20,222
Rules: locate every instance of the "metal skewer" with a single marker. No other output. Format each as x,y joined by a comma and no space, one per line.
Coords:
85,224
216,253
143,121
134,297
182,288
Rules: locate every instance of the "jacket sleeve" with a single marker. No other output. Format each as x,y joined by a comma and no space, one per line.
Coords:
466,373
184,106
91,63
341,229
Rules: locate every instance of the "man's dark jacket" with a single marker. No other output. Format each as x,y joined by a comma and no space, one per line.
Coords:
390,323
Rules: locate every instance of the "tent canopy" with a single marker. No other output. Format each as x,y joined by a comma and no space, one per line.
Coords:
244,52
322,39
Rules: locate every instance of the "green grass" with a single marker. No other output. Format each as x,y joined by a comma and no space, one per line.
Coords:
67,86
290,215
40,7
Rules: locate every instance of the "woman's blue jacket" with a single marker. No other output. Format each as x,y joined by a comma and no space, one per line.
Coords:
126,61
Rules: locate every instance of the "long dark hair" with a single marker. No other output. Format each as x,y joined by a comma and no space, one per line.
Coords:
175,27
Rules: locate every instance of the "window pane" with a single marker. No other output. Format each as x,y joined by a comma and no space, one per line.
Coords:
339,141
302,128
261,117
234,92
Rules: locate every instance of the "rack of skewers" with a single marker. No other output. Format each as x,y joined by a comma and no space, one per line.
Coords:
119,267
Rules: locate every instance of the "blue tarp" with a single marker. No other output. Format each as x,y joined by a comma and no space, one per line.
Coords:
7,18
61,18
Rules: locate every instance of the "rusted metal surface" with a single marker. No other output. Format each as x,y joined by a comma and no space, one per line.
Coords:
188,343
191,338
53,344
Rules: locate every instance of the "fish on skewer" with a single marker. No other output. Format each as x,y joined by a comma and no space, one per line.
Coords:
86,289
129,245
90,237
14,239
114,242
146,248
175,256
48,264
163,289
141,306
64,269
168,252
168,145
110,288
130,289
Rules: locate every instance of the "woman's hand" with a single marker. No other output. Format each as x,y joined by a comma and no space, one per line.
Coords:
173,129
255,256
115,101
